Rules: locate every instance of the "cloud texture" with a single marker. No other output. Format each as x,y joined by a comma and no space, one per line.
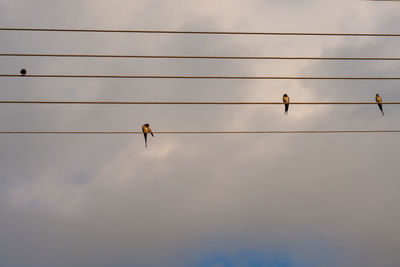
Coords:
272,200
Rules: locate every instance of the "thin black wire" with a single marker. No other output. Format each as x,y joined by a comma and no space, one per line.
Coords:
202,132
199,57
203,32
197,77
184,103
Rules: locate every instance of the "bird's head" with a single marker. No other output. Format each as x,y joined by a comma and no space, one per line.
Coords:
146,125
285,95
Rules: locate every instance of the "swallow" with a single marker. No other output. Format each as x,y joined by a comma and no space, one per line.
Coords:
146,129
286,101
378,99
23,72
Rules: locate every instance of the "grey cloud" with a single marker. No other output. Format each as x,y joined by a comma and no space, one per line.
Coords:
105,201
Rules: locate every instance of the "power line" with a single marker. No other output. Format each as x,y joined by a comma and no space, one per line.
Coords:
199,57
203,32
198,77
184,103
202,132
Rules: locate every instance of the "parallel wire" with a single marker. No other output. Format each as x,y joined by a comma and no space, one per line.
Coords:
184,103
203,32
197,77
202,132
198,57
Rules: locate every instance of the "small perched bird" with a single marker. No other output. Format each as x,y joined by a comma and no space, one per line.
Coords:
378,99
146,129
23,72
286,101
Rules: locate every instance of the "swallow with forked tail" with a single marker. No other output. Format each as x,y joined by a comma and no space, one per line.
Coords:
285,99
378,99
146,129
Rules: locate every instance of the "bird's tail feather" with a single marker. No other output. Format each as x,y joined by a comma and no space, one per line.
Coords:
381,108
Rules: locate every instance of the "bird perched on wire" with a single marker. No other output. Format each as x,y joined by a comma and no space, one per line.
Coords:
378,99
22,72
146,129
285,99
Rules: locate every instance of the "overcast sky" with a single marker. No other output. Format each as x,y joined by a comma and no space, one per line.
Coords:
199,200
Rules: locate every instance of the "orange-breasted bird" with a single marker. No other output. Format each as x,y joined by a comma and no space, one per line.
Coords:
285,99
378,99
146,129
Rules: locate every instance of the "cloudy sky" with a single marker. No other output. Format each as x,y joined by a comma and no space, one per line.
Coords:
199,200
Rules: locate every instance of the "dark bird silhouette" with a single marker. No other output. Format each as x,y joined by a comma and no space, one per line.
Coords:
285,99
146,129
378,99
23,72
